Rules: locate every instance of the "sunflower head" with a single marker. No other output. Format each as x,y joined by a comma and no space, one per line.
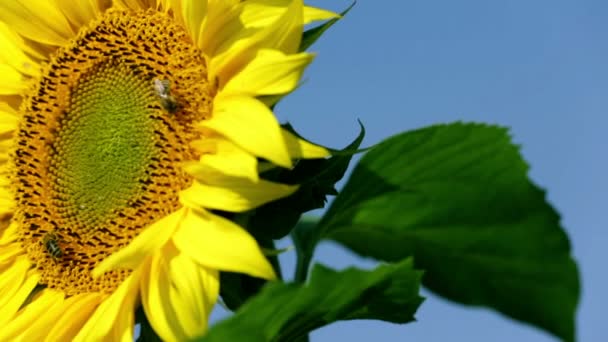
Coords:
126,128
99,156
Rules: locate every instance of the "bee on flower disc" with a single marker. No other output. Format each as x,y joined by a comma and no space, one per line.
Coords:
162,89
51,244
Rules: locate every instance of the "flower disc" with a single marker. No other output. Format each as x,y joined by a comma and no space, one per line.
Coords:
99,153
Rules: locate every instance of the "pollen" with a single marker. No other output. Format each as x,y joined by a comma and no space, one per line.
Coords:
98,155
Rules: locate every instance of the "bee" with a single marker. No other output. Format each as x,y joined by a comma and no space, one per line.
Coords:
163,91
51,243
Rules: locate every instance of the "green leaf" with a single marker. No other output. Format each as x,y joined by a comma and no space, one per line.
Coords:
309,37
285,312
316,178
457,198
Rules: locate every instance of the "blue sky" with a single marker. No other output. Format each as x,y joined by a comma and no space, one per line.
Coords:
539,67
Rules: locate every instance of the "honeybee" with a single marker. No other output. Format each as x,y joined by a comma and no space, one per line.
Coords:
163,91
51,243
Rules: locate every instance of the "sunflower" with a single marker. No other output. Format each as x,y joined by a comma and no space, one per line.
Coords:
129,131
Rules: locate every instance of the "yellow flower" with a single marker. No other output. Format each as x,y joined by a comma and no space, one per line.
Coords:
128,134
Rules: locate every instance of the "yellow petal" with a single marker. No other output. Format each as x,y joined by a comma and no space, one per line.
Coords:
135,4
221,23
7,203
165,5
101,5
187,293
315,14
38,329
283,34
77,310
210,282
5,285
263,12
11,52
8,253
9,234
176,7
13,276
6,147
125,320
155,288
113,319
79,12
4,180
251,125
15,294
28,47
39,20
12,100
144,244
48,301
218,243
222,157
260,13
179,295
11,82
8,109
234,194
8,118
211,174
193,13
299,148
270,72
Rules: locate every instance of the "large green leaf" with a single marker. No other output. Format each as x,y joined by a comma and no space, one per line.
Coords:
457,198
286,312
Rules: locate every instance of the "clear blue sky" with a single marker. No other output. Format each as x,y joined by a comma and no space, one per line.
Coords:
539,67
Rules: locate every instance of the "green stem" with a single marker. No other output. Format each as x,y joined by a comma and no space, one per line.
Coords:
302,265
305,238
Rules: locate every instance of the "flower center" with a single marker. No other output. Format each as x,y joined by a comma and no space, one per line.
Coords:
103,146
101,142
